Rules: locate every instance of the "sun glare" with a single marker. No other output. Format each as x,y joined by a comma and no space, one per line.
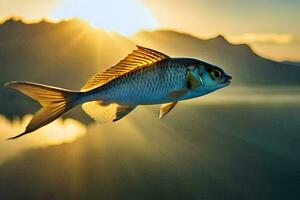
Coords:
125,17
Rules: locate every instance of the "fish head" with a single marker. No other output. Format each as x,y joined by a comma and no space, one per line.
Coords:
213,77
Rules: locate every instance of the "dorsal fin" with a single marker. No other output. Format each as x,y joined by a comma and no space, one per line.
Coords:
141,57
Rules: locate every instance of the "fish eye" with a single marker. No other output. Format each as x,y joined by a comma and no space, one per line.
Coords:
216,74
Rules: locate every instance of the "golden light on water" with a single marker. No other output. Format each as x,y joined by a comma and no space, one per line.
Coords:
63,131
58,132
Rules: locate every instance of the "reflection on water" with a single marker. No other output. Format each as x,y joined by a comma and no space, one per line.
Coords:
58,132
198,151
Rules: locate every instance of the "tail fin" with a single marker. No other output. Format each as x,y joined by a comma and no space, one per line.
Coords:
55,102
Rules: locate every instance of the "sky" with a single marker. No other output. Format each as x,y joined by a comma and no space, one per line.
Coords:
271,27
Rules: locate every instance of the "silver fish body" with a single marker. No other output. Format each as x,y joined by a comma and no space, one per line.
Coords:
151,85
146,86
143,77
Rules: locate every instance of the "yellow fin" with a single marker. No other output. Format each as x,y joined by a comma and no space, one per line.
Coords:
193,81
123,110
141,57
177,93
105,112
166,108
55,102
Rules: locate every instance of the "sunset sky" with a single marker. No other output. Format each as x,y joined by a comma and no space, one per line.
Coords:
271,27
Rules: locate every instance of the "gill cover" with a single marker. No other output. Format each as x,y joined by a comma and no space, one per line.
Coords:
194,80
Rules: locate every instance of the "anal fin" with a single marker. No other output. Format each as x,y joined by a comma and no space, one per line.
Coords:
166,108
123,110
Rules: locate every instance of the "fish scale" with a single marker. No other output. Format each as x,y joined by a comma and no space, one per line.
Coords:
145,86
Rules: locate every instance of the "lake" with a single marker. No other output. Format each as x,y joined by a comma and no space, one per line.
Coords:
241,145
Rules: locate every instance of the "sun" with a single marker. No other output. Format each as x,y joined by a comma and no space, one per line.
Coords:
123,16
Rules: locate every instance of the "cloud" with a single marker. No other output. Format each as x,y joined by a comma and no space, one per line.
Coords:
266,38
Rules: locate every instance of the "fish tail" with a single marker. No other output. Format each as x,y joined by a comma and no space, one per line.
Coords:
55,102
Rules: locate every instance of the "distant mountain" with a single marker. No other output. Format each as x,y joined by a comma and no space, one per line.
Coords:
246,67
67,53
291,63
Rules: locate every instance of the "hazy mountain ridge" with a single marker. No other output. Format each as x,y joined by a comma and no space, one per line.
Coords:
62,48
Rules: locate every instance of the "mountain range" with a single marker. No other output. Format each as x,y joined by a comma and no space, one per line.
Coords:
67,53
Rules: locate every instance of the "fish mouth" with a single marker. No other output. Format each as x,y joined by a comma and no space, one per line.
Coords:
227,80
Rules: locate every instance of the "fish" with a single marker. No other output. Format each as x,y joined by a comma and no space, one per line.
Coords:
143,77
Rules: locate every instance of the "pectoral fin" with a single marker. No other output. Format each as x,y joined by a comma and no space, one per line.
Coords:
166,108
194,81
